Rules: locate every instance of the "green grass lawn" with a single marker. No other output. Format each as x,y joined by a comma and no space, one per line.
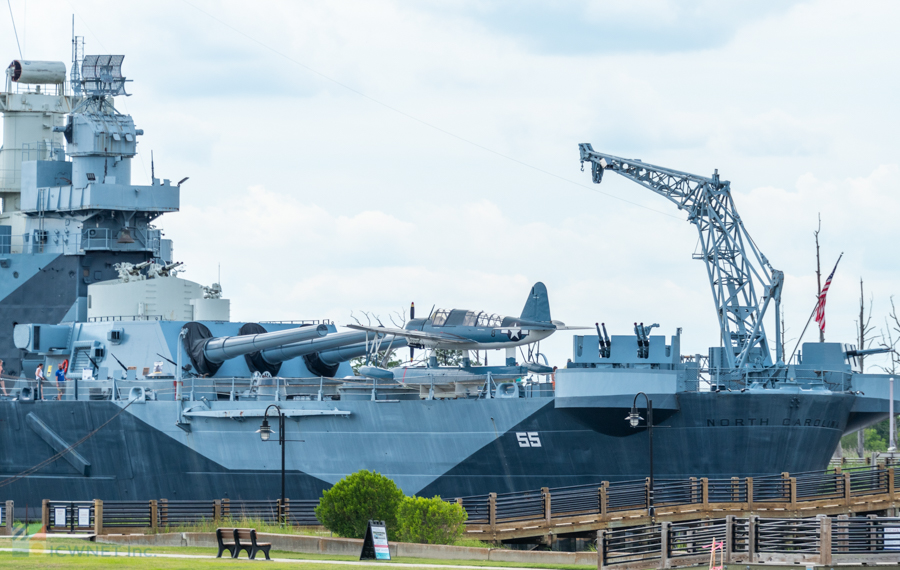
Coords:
73,553
138,563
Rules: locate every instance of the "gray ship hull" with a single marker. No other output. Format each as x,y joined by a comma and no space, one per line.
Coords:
437,447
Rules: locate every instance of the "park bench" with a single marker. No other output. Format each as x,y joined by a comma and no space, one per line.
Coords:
225,538
245,539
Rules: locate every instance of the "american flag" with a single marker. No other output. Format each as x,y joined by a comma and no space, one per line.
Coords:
820,306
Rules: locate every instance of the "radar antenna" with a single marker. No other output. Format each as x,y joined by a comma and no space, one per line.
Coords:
102,76
77,57
734,264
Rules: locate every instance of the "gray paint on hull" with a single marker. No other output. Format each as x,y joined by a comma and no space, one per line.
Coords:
411,441
429,447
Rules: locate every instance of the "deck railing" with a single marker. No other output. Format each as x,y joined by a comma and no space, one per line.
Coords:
819,540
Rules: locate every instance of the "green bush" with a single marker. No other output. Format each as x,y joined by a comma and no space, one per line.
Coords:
347,508
875,441
430,521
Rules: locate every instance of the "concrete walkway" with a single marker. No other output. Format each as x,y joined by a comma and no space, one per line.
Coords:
106,551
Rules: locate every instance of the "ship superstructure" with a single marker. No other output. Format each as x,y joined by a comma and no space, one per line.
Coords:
71,212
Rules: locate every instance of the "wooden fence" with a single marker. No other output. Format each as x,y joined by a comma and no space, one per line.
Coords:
569,510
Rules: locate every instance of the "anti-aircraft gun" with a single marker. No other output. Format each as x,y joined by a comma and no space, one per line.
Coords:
131,271
167,270
736,268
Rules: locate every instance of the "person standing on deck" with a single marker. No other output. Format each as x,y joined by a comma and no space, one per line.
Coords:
2,383
61,378
39,380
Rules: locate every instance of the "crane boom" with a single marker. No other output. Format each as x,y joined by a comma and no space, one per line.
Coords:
735,266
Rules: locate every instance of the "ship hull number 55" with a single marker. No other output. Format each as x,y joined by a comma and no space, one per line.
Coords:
528,439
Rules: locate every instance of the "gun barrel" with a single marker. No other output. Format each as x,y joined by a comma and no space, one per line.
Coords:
223,348
345,353
284,352
868,351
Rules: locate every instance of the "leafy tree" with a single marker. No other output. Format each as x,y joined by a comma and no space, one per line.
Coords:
875,438
347,508
874,441
430,521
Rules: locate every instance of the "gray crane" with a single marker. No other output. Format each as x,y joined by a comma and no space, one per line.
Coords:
735,266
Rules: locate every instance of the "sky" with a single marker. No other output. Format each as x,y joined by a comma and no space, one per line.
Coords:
356,156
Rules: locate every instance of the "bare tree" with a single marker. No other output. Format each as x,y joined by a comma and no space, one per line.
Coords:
784,336
865,341
865,327
386,356
889,339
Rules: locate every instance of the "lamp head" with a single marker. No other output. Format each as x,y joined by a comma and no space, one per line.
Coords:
265,430
633,418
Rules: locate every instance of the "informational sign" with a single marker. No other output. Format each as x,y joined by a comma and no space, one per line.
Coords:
375,546
59,516
84,516
892,538
87,374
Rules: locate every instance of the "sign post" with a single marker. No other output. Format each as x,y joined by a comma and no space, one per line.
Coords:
375,546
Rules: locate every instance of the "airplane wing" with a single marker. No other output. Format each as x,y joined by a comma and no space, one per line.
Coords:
418,335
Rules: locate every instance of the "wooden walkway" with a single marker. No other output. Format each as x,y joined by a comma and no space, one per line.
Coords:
586,510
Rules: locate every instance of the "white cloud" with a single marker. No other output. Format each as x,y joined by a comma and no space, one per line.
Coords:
317,201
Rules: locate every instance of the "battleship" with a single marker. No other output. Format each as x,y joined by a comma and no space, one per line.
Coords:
165,396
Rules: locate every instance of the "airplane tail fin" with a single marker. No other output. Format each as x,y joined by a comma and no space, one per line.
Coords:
537,307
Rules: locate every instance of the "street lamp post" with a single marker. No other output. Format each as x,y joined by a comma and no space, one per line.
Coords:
633,420
265,431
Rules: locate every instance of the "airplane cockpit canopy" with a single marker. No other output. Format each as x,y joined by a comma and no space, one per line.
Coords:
488,320
464,318
439,317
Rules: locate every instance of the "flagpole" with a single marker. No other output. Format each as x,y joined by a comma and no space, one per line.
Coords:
818,301
809,320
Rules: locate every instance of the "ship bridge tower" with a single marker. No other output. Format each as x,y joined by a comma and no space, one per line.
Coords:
88,203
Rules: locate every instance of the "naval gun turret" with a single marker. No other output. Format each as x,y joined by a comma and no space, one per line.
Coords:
323,356
222,348
326,362
265,352
207,353
286,352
